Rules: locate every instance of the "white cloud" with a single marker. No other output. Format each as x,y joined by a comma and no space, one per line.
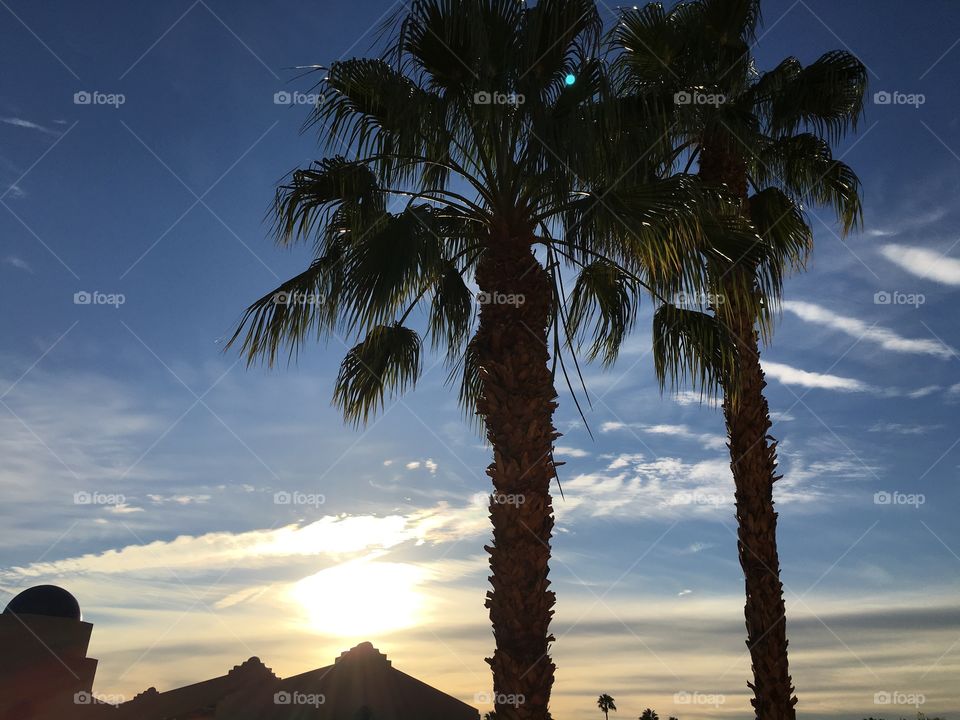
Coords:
900,429
334,536
689,397
20,122
18,263
794,376
431,466
709,442
924,263
572,451
859,330
413,465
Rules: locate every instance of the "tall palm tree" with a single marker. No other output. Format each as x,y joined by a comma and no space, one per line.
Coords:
606,704
482,132
766,138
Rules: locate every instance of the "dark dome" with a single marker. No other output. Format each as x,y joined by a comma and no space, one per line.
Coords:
48,600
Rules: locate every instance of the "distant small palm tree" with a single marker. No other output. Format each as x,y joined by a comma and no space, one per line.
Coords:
649,714
606,704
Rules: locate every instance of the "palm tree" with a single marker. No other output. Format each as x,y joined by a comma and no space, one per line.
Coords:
606,704
767,139
649,714
482,132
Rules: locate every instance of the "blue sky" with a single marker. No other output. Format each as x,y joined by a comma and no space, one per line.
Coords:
187,564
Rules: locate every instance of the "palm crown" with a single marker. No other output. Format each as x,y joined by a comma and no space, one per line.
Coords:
482,118
772,129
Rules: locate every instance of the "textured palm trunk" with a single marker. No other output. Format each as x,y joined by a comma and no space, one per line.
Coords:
753,460
517,406
753,454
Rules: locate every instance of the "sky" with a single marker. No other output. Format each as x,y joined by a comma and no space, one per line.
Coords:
203,512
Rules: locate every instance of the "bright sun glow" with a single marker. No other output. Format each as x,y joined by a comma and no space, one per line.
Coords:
361,598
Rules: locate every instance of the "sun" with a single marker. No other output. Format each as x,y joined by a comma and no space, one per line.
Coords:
361,598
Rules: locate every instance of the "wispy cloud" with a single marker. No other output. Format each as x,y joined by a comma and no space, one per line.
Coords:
924,263
29,125
709,441
794,376
18,263
859,330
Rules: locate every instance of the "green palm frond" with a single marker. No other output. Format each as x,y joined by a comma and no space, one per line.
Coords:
465,374
300,308
609,298
370,106
386,362
451,310
689,345
656,227
651,48
781,222
803,166
826,97
306,205
557,35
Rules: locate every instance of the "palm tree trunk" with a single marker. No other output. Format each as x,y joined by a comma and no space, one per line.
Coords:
753,454
517,405
753,460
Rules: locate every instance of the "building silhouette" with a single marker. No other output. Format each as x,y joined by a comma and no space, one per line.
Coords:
45,674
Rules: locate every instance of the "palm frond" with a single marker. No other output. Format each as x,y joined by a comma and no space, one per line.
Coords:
689,345
386,362
306,205
803,166
826,97
609,298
